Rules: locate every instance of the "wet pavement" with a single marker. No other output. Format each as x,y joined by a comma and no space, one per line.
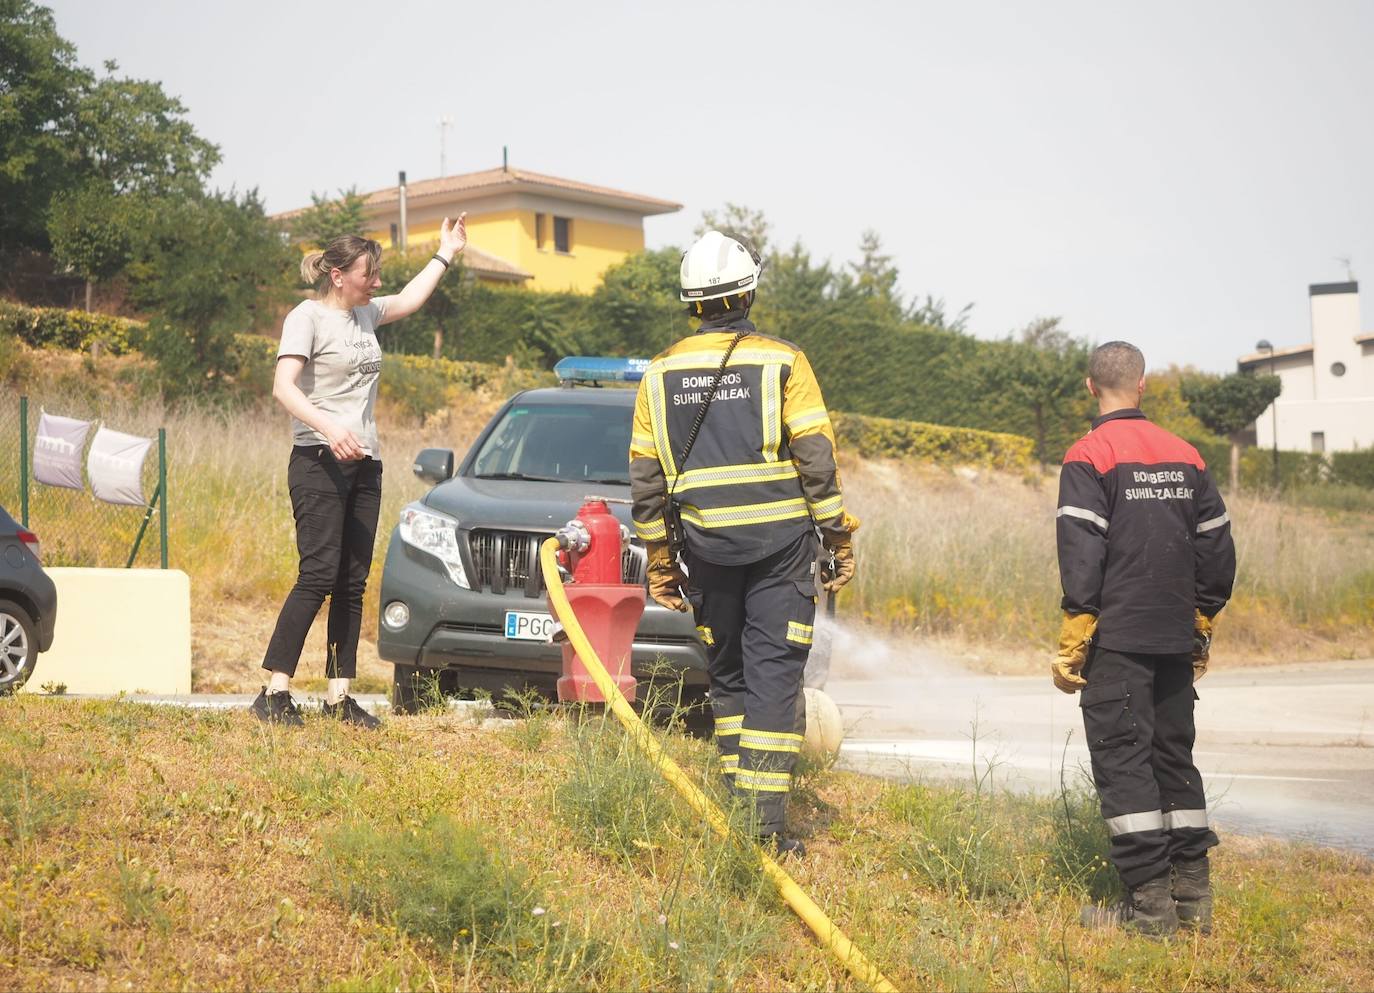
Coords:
1285,751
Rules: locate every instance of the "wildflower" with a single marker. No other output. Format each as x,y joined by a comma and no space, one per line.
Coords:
538,911
672,945
663,920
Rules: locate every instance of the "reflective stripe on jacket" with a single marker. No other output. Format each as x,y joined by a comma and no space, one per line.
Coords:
763,465
1143,535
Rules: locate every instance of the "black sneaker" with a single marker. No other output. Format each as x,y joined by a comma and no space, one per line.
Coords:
780,847
276,708
350,711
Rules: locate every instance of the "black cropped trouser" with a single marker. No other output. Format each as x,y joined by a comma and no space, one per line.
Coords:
336,506
1138,715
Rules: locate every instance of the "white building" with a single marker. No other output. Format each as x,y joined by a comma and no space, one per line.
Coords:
1327,404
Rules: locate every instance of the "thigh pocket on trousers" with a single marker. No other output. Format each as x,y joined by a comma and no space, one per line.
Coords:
801,626
1107,717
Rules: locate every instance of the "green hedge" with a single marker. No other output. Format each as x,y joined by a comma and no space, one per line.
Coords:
1354,468
52,327
884,437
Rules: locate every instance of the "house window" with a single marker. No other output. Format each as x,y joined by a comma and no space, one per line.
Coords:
1318,442
562,234
539,231
394,236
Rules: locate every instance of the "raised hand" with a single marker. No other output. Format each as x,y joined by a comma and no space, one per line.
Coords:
453,236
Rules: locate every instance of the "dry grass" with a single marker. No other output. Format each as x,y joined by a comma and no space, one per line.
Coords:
968,560
160,848
963,560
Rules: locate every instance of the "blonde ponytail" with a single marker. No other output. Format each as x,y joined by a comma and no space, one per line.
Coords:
312,268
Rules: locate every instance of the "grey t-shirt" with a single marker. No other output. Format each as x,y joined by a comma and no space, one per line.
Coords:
343,363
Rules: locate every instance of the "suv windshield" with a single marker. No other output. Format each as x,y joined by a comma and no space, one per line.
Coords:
561,442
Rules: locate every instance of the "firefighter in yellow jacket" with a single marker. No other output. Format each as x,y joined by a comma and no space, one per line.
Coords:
732,468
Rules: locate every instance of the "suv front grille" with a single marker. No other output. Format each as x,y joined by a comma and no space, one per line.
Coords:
509,560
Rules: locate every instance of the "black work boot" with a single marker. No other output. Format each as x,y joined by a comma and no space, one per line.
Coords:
350,711
276,708
1193,894
780,847
1148,910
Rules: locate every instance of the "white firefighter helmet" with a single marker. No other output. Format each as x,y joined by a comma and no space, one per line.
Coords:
718,266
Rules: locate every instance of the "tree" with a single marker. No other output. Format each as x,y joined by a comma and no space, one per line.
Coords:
636,307
93,231
738,222
61,128
40,86
210,266
1228,405
1038,374
930,313
136,139
326,219
871,283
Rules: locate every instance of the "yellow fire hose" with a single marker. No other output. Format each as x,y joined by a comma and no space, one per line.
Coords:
795,897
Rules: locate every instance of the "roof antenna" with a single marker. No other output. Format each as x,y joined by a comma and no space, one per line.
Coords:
505,158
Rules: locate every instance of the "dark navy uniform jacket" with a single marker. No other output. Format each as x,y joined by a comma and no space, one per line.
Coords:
1143,535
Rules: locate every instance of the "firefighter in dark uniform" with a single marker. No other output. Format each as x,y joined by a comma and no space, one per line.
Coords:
756,486
1146,561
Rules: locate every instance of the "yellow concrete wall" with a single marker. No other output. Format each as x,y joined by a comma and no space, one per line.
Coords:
596,245
119,630
509,234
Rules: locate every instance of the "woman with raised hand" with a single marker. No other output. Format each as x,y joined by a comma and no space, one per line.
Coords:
328,366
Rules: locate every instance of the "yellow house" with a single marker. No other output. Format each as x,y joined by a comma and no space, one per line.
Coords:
524,227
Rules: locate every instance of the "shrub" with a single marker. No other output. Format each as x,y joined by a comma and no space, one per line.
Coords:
1353,468
613,798
52,327
440,881
882,437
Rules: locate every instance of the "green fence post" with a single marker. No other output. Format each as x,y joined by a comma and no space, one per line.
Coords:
24,461
162,488
138,538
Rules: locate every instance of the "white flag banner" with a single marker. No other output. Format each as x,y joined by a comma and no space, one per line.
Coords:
57,451
115,466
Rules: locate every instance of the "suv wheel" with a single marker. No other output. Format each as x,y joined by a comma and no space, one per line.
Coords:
18,646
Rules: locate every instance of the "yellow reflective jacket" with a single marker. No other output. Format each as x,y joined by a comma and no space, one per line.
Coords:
762,469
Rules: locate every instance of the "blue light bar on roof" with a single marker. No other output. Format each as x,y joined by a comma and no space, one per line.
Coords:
582,368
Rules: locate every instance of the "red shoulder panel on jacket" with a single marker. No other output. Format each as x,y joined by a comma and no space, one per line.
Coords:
1132,440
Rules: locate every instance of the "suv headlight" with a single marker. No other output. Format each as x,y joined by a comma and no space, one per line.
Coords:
436,534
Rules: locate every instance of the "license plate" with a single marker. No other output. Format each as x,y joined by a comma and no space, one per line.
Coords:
528,625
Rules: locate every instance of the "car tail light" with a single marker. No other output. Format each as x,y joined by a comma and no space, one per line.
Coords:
30,541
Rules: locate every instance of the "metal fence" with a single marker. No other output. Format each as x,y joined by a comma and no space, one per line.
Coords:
73,526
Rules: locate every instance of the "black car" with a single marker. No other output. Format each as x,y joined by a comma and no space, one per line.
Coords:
28,604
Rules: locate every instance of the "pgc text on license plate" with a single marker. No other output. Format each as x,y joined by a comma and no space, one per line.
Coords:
528,625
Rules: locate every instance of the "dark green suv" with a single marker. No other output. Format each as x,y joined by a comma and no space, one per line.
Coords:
462,594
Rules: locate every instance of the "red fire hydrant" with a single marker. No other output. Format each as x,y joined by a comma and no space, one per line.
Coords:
607,608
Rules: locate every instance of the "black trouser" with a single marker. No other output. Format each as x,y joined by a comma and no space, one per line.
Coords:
336,505
1138,715
756,621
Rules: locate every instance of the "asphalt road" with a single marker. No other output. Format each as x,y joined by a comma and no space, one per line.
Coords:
1286,751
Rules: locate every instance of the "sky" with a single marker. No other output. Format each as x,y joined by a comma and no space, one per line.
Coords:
1173,174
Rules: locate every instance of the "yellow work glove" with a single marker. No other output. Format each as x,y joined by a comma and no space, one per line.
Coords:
666,579
1202,643
1075,634
840,569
